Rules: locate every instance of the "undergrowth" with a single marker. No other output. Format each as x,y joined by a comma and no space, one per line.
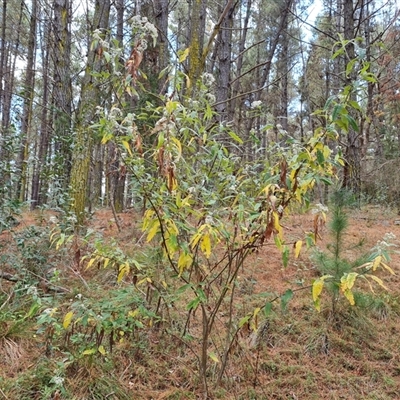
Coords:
125,341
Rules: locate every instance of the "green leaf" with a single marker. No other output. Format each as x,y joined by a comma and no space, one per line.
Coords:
337,110
285,256
355,105
235,137
285,298
201,295
267,309
320,157
328,102
192,305
326,181
107,56
338,53
208,113
244,320
353,123
350,66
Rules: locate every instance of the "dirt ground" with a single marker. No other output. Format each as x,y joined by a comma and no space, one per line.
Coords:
362,362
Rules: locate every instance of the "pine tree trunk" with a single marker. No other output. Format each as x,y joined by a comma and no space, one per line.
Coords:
29,83
62,93
352,169
90,97
37,196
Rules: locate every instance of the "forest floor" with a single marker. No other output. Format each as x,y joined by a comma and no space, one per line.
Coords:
303,354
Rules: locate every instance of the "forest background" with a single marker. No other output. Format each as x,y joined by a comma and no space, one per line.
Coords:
271,71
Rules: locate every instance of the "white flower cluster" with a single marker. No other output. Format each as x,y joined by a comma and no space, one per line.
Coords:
208,79
386,242
142,45
98,37
255,104
319,208
58,380
142,27
210,98
389,236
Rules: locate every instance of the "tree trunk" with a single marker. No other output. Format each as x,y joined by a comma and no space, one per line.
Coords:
197,27
224,64
90,97
29,83
62,91
352,169
38,197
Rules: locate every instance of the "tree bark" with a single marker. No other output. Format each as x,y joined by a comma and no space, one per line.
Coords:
62,96
352,168
90,97
29,83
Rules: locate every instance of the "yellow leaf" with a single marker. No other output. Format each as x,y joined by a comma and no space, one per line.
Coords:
387,268
377,280
127,147
123,270
213,357
376,262
277,225
67,319
148,219
153,230
369,283
106,138
133,313
195,240
172,183
317,288
297,248
254,323
340,161
347,281
89,352
178,146
106,262
205,245
349,296
317,304
267,190
184,261
171,227
171,106
184,55
188,81
102,350
91,262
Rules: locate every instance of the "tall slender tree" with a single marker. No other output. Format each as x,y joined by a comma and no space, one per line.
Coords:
28,88
90,97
